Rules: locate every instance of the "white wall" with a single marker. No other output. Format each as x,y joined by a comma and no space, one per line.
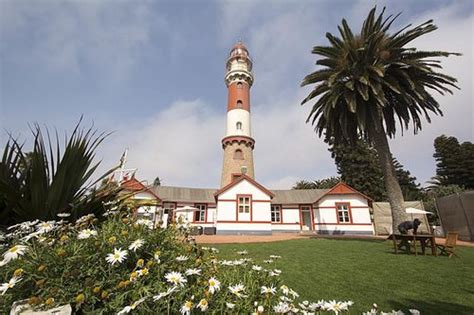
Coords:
244,187
259,217
325,215
233,117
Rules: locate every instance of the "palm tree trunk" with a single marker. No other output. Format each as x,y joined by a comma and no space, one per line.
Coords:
394,192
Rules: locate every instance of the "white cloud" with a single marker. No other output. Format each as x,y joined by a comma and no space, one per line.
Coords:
66,36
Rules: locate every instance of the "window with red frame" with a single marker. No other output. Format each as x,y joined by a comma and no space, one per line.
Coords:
243,204
276,213
343,213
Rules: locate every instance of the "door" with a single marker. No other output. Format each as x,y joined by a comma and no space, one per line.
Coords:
306,218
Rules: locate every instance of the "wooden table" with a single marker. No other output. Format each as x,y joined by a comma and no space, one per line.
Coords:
422,238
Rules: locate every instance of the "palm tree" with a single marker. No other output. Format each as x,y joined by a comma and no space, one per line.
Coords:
371,80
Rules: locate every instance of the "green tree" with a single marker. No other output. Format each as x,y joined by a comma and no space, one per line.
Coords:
358,165
371,80
455,162
325,183
44,182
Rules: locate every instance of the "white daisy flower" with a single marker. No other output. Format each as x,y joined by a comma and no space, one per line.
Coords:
214,285
187,307
193,271
86,233
142,272
85,218
175,278
119,256
272,273
237,290
282,308
136,245
229,305
256,267
412,311
243,252
336,307
275,256
268,290
128,309
268,261
44,227
8,285
164,294
13,253
182,258
260,309
294,294
316,306
203,305
285,289
63,215
214,250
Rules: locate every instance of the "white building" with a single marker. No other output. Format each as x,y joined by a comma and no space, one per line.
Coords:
243,206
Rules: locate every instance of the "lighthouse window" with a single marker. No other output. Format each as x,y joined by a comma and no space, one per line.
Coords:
239,85
238,125
239,104
238,155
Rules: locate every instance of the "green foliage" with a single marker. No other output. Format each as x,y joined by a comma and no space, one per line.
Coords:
358,165
455,162
374,76
59,266
47,181
325,183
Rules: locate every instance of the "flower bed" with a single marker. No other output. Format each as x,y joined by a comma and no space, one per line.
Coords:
122,266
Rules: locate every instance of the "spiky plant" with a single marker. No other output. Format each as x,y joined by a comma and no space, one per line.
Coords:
46,181
371,80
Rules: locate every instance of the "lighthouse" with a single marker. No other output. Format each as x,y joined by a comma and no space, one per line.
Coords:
238,143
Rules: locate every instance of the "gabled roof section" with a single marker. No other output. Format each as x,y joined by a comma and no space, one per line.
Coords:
343,189
297,196
184,194
238,180
135,185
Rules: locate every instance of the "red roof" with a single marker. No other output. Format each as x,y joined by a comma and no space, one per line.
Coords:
344,189
238,180
133,184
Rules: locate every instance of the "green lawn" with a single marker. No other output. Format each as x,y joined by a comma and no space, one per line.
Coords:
367,272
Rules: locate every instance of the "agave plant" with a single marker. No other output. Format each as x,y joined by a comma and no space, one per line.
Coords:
48,180
370,82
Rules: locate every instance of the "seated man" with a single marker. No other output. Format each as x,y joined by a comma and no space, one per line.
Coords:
405,226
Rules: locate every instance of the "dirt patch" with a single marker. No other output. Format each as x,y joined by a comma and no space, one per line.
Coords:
235,239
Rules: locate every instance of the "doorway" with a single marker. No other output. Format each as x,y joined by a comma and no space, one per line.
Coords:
306,218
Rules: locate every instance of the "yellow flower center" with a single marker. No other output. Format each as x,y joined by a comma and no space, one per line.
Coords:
14,249
212,283
188,304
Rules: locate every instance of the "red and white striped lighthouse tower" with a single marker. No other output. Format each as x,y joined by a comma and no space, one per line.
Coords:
238,143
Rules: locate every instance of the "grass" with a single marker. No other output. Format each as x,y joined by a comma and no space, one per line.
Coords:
367,272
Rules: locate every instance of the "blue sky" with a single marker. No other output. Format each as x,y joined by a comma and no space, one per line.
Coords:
153,71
